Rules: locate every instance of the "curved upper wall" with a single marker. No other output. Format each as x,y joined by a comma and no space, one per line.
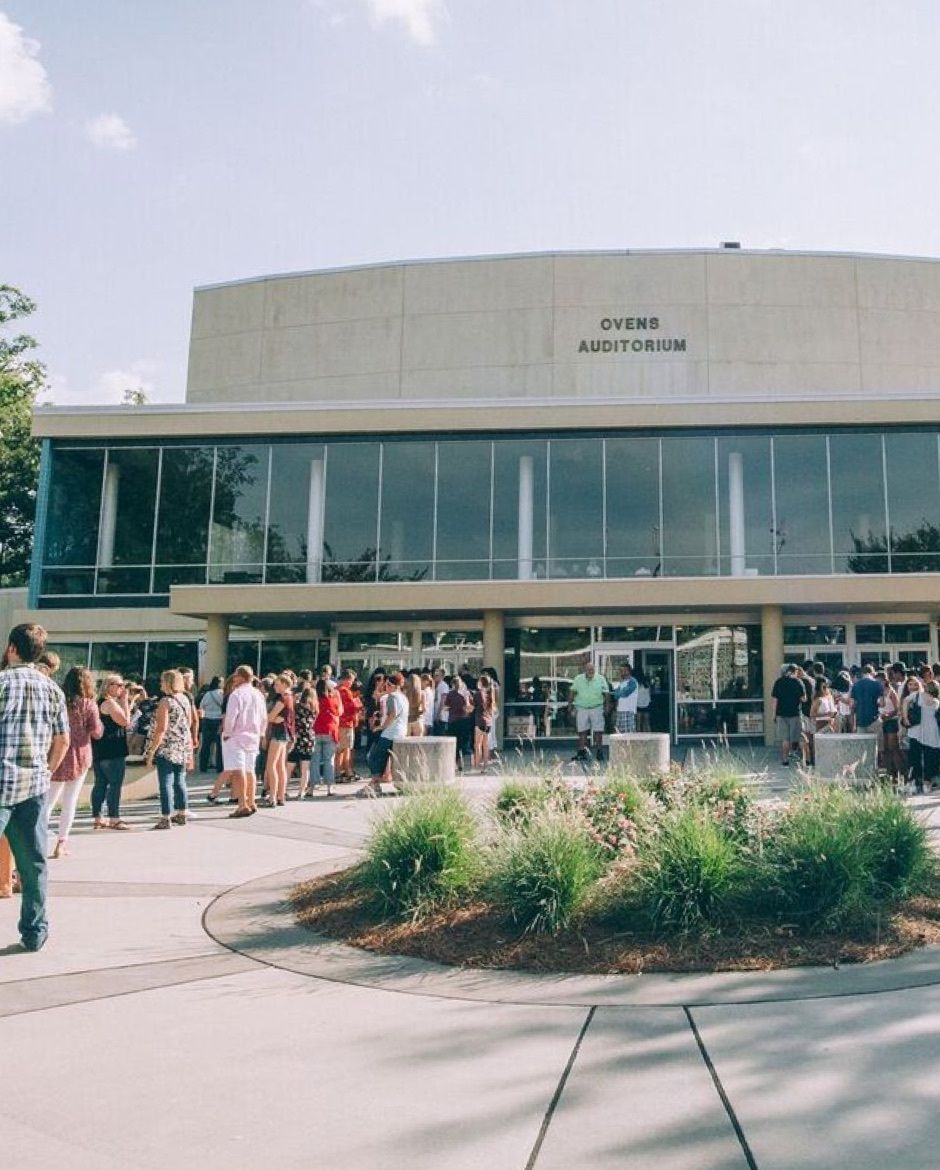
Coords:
650,325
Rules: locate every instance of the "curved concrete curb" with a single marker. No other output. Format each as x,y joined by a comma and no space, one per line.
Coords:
254,920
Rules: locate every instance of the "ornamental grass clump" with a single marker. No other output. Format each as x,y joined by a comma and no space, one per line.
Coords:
423,856
544,870
517,801
690,873
896,854
820,867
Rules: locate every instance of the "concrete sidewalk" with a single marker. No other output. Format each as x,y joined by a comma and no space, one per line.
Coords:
136,1039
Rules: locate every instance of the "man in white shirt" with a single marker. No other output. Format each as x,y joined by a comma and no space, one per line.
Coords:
441,691
243,725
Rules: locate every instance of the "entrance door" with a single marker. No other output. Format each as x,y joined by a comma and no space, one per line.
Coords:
652,666
910,653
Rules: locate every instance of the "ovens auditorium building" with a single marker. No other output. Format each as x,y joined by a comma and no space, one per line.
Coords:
703,462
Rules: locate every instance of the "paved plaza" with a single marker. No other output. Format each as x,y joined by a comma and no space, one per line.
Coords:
177,1017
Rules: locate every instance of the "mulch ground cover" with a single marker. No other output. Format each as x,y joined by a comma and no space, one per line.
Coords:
475,935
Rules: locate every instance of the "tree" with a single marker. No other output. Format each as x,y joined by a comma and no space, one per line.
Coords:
134,397
22,379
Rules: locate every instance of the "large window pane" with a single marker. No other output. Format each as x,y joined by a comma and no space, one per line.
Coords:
125,549
183,521
292,466
163,656
463,511
801,485
278,655
913,502
352,502
74,507
859,532
519,492
719,680
125,658
689,521
576,508
633,537
745,506
241,492
407,533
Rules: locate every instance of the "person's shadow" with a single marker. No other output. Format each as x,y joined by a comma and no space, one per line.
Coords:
13,949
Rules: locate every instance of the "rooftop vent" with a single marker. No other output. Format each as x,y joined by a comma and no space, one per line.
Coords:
730,244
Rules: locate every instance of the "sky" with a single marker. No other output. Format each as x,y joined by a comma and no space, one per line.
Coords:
151,146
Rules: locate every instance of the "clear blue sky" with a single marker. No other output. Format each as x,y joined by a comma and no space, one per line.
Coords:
148,146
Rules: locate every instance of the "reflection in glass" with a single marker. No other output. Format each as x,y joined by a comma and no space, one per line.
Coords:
576,508
352,493
292,466
633,536
124,658
689,520
463,511
407,523
241,491
719,680
913,502
859,532
163,656
183,520
801,487
278,655
746,510
519,495
74,507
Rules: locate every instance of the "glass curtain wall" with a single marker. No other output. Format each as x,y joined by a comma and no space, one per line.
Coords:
134,520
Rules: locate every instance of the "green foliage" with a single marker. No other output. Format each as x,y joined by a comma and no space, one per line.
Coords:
22,379
425,854
896,854
544,870
518,800
820,865
616,811
690,873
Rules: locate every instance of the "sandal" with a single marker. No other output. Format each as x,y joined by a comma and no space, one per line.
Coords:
162,823
241,812
118,824
100,823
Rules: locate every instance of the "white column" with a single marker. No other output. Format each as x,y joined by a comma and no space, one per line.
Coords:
109,509
526,515
216,662
736,514
771,633
315,507
494,654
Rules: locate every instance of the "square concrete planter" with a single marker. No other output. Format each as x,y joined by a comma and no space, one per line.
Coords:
852,759
424,759
641,752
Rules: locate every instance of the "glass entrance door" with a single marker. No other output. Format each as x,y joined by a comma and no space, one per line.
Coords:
908,653
652,667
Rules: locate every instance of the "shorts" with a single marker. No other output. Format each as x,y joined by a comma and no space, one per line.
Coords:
378,755
347,739
789,728
590,719
626,722
279,733
237,759
891,727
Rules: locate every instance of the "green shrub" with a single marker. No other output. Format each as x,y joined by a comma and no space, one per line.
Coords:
423,855
818,860
517,801
544,869
616,811
690,873
896,854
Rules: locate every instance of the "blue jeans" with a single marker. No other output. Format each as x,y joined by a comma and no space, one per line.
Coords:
321,762
25,828
171,775
109,777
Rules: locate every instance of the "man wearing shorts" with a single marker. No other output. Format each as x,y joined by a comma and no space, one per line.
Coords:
243,725
589,692
788,695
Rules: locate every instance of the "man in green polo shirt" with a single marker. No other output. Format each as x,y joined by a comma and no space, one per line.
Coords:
589,692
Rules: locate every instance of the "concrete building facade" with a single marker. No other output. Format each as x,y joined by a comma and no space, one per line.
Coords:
699,462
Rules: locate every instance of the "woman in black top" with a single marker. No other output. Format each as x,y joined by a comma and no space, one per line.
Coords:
109,754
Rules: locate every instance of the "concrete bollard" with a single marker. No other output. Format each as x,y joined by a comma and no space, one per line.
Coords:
850,758
641,752
424,759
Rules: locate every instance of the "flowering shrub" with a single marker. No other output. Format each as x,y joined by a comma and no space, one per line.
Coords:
611,817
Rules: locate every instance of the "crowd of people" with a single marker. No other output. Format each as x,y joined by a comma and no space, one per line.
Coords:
897,703
254,733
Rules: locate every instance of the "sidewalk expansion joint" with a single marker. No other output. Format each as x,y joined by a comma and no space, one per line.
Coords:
720,1089
559,1089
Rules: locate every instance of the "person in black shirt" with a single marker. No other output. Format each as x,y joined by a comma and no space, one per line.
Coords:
788,696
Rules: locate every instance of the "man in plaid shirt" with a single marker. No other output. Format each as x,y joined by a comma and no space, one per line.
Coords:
34,736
